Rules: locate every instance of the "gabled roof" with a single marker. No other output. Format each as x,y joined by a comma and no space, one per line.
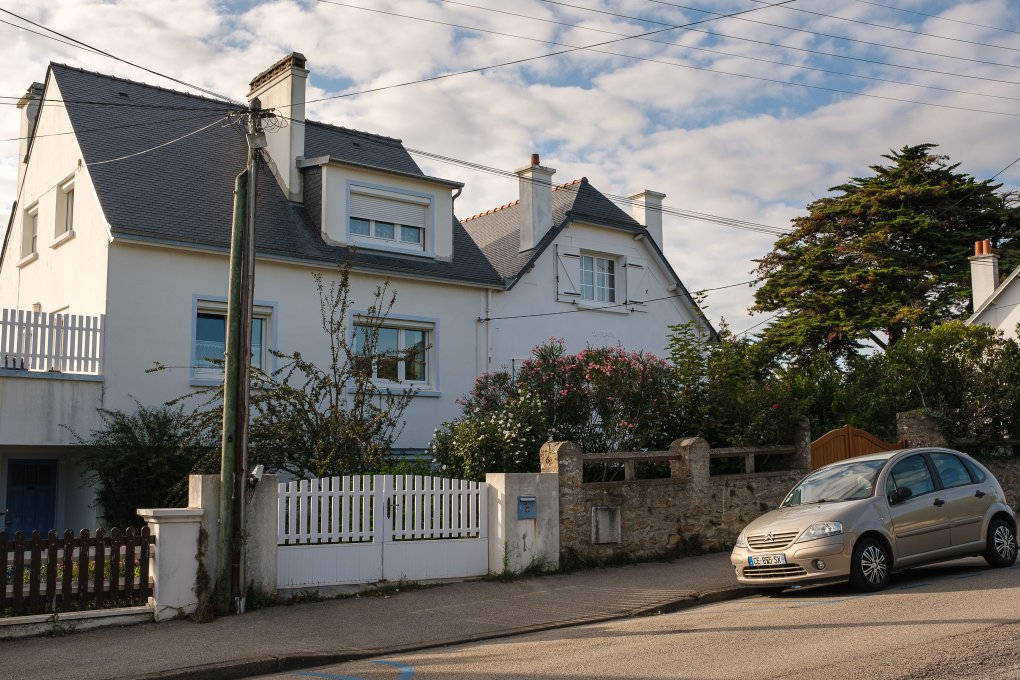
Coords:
1012,280
498,233
182,193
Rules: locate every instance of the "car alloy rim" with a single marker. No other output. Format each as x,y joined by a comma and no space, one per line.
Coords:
873,564
1005,542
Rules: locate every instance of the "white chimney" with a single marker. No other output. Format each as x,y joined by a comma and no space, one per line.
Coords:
984,272
282,87
646,208
29,106
536,202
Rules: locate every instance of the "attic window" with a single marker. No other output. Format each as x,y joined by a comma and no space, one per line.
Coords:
388,220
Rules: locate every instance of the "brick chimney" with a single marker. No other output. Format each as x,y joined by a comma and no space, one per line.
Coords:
984,272
29,107
282,86
646,208
536,202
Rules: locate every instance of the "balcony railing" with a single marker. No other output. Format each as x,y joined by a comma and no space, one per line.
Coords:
59,343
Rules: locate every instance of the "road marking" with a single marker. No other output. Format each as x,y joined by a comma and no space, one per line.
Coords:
406,672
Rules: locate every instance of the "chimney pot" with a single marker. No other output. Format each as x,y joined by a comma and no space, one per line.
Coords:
534,159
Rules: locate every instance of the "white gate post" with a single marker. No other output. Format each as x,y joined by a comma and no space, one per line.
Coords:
176,566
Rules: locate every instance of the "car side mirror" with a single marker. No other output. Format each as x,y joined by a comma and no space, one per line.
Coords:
901,494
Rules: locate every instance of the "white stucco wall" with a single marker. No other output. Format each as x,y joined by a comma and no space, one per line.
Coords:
1004,312
512,339
336,180
71,276
152,293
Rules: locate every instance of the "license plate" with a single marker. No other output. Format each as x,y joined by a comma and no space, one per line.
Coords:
766,560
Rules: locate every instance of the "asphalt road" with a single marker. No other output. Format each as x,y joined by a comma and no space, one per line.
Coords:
954,621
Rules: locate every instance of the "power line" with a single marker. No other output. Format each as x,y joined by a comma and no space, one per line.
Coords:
91,48
764,321
935,16
162,121
159,146
803,30
512,62
745,56
895,28
592,48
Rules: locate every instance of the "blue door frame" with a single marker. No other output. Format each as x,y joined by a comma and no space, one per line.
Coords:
31,496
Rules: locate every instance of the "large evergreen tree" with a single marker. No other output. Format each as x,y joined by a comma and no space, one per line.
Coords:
885,254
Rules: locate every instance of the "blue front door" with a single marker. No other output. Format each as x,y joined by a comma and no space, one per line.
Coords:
31,496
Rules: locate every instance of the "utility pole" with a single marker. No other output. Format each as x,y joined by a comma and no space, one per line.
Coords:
230,582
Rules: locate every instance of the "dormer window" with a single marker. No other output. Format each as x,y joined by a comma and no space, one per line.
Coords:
388,219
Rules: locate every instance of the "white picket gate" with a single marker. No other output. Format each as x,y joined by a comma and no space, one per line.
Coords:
367,528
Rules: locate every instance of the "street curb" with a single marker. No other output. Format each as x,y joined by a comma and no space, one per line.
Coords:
244,668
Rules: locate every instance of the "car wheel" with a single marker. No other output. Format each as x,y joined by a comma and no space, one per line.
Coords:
1000,550
871,567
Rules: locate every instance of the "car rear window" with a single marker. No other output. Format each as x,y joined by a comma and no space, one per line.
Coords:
951,470
976,473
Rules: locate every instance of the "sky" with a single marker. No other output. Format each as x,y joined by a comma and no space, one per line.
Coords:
748,117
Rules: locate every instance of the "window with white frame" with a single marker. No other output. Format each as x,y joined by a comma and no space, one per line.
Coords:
65,210
388,219
395,351
30,229
598,278
210,341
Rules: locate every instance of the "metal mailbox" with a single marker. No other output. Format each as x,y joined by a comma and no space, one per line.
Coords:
527,507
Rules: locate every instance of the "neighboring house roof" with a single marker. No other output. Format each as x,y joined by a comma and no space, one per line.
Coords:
498,233
1012,280
183,192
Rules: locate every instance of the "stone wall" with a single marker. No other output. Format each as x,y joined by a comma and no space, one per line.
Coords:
1007,471
642,517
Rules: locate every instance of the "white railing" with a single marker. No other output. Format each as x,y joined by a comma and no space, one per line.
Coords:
38,341
348,509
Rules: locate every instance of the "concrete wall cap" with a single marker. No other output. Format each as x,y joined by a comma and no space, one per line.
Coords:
167,515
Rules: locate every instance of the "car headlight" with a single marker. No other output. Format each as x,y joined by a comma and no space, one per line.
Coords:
741,541
820,530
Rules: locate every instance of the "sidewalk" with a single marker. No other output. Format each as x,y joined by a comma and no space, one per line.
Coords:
307,635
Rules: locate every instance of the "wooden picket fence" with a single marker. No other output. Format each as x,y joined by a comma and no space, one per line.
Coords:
74,573
39,341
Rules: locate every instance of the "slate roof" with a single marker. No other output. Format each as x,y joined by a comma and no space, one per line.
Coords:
498,233
183,192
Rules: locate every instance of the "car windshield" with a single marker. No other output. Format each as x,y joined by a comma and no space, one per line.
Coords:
846,482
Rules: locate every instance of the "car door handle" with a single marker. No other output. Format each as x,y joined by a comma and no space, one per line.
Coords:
979,493
939,502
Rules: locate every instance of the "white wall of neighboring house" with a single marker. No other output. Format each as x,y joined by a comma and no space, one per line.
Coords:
645,328
162,329
1004,312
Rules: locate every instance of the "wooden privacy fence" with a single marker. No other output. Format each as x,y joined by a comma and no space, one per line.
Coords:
73,573
38,341
847,442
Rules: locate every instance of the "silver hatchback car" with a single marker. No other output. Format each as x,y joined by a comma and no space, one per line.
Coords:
864,518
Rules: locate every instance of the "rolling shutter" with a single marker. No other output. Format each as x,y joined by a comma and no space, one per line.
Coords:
387,210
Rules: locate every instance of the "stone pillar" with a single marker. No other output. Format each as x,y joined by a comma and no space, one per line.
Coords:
565,459
691,463
802,442
175,564
514,543
917,429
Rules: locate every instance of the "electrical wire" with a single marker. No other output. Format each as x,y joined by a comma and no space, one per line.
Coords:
96,50
746,56
507,63
803,30
592,48
935,16
893,28
159,146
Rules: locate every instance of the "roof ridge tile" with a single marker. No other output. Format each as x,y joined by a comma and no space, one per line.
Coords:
581,180
140,83
362,133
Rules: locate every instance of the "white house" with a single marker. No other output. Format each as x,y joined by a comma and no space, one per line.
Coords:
115,257
995,304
